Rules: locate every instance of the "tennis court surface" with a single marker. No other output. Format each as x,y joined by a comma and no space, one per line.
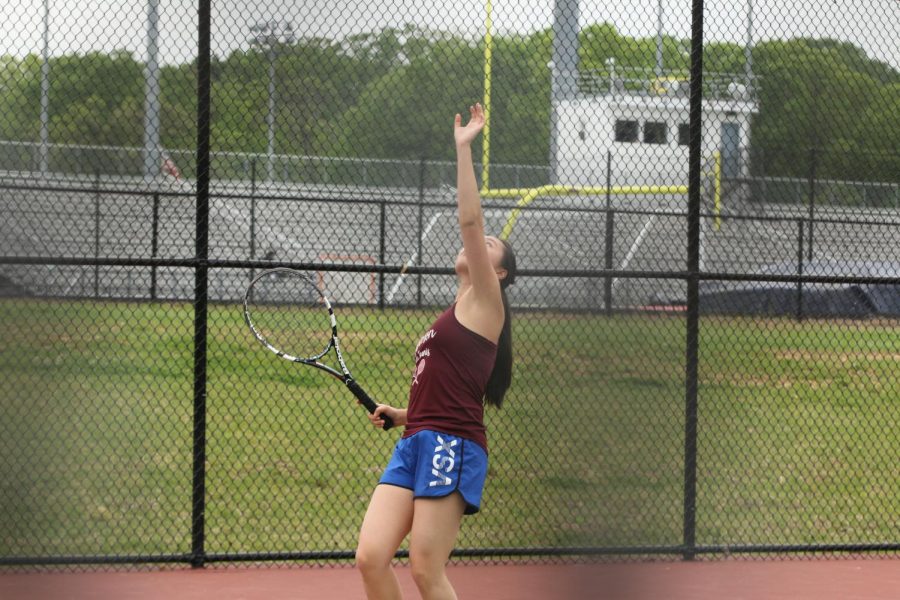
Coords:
796,579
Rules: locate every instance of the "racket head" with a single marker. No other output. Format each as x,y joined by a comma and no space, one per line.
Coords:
287,311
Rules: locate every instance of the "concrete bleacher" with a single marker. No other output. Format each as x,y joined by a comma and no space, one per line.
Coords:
74,217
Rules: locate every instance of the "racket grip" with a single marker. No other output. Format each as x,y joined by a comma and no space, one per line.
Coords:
366,401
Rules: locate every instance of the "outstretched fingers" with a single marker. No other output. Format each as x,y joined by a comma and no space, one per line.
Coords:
476,115
465,134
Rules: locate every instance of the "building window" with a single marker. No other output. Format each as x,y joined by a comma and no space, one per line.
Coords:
654,132
626,131
684,134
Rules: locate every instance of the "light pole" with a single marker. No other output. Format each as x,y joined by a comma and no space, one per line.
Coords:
748,48
44,159
269,36
659,40
152,150
563,69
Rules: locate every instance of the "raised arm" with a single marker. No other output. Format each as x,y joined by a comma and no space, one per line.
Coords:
483,278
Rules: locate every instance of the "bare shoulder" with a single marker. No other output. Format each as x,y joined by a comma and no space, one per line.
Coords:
484,317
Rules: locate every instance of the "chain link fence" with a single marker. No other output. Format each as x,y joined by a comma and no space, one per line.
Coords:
705,205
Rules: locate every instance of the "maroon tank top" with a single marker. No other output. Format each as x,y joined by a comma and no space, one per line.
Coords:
453,365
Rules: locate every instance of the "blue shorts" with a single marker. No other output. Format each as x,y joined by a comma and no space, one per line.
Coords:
434,464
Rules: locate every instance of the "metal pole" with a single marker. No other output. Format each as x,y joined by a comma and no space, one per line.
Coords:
812,199
154,244
748,47
800,269
764,188
659,39
252,214
486,133
381,249
152,150
692,341
610,231
97,233
198,498
419,231
44,159
270,117
267,36
563,69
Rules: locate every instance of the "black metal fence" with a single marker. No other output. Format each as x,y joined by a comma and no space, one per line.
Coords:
703,367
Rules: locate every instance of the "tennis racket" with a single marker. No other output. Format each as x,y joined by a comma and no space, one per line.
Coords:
288,313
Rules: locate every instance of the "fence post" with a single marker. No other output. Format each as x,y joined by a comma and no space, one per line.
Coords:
610,230
201,283
765,185
252,213
97,232
800,236
419,231
812,198
381,255
154,244
608,262
692,320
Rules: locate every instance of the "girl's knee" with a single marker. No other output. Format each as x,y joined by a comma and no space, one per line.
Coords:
426,579
427,571
372,559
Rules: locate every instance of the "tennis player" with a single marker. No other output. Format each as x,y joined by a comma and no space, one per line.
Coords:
463,361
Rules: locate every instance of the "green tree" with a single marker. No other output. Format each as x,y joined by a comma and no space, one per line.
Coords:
178,97
391,93
20,98
97,99
404,113
816,95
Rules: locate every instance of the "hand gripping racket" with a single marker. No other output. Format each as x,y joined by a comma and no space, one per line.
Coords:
286,310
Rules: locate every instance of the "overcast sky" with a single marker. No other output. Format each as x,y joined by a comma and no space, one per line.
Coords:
82,25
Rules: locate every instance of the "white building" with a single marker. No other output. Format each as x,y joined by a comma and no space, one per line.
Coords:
640,120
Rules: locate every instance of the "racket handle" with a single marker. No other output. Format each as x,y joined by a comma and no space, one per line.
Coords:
366,401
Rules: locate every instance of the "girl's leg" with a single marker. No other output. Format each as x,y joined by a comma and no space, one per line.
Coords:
434,529
387,521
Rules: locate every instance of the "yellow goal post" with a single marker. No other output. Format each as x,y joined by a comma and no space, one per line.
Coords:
528,195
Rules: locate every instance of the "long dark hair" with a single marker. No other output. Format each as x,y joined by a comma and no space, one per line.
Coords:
501,376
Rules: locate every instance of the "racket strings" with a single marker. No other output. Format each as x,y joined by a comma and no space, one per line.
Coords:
287,309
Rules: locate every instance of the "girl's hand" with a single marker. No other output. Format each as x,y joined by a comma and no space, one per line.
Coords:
465,135
398,415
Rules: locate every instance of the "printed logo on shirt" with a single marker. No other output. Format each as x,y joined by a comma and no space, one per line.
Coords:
428,335
421,354
419,368
443,461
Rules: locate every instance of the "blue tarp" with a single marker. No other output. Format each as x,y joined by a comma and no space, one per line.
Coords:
773,298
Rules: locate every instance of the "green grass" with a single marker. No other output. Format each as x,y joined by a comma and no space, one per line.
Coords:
797,432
